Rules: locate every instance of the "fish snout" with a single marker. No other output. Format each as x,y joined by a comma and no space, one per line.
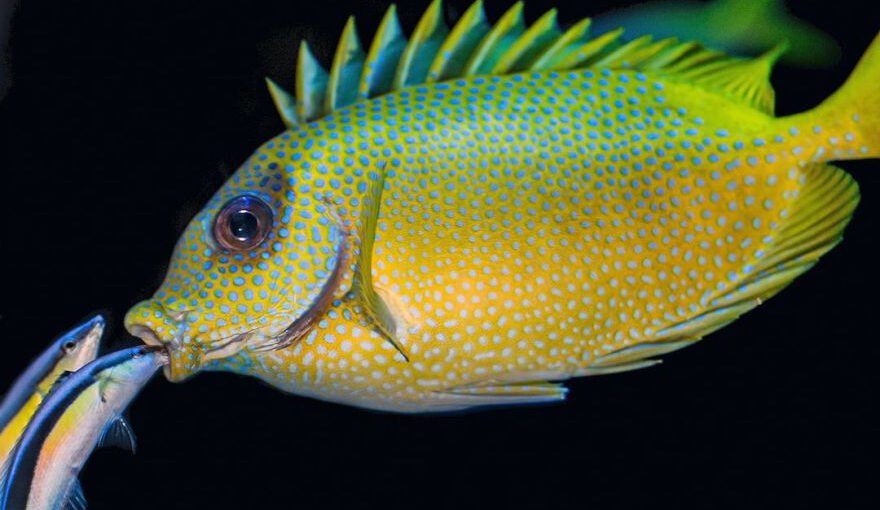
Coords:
156,326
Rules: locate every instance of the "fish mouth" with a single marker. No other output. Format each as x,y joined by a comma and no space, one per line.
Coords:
147,335
173,367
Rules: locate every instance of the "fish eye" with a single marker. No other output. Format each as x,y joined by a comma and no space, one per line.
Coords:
68,347
243,223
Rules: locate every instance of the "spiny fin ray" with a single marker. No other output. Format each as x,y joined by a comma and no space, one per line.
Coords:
548,59
507,30
459,46
284,103
497,394
385,50
348,64
474,47
422,48
311,85
529,45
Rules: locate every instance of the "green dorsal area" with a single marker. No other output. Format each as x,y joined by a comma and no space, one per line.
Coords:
474,46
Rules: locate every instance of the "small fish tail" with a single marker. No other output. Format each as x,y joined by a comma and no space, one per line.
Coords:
847,124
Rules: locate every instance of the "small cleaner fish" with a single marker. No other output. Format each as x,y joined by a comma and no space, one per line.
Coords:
470,216
82,411
68,353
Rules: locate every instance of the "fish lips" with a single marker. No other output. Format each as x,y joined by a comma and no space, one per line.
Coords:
180,365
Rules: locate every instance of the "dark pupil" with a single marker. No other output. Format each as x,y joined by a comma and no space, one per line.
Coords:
243,225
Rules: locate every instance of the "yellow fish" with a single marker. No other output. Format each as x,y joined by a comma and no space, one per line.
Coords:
469,216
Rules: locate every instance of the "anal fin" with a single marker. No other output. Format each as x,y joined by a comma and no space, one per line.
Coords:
118,433
615,369
500,393
640,352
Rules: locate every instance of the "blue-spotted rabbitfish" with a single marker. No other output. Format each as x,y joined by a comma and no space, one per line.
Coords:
470,216
83,411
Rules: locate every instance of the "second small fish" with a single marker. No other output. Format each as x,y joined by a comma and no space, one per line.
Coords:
82,412
68,353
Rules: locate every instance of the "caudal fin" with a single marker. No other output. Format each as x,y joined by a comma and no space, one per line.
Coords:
849,120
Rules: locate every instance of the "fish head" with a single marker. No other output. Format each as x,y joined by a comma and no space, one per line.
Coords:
122,374
256,267
78,346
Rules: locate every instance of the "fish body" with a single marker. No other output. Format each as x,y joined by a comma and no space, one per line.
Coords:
743,27
84,408
68,353
499,212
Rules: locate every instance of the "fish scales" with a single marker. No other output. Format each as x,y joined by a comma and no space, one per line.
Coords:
527,228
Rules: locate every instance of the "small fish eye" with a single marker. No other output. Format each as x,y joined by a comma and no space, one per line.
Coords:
68,346
243,223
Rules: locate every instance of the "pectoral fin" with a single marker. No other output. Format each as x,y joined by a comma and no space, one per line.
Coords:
118,433
374,306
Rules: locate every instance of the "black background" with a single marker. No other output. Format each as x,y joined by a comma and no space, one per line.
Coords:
123,118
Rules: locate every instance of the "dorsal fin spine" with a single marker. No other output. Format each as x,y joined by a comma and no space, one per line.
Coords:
672,54
509,27
620,54
649,52
284,103
311,85
541,34
589,49
455,50
384,54
577,33
348,63
473,47
422,48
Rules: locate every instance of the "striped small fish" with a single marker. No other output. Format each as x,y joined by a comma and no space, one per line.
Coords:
83,410
68,353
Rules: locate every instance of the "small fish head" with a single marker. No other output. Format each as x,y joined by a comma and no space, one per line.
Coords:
79,345
254,268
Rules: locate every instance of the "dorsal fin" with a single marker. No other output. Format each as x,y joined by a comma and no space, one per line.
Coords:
523,51
474,47
508,29
460,44
562,46
745,80
385,50
284,103
348,63
311,85
422,48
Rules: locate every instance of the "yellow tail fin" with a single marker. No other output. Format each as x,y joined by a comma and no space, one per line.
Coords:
849,120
